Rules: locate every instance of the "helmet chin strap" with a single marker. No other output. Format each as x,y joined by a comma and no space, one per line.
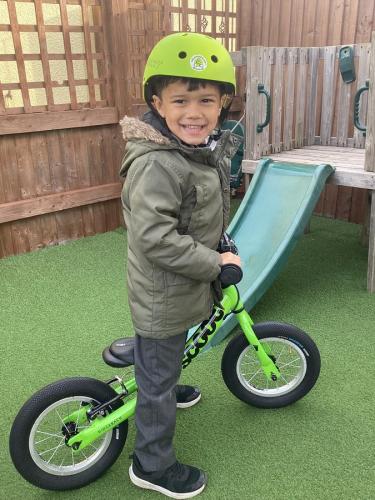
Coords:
239,121
226,101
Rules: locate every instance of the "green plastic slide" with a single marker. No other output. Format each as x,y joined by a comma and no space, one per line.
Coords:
272,216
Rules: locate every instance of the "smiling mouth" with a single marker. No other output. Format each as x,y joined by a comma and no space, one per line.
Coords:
192,127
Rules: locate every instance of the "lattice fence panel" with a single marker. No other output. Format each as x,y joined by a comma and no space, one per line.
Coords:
53,56
217,18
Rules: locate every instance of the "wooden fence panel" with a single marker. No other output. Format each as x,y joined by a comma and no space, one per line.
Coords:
301,89
277,102
289,107
59,66
307,24
328,97
59,168
312,90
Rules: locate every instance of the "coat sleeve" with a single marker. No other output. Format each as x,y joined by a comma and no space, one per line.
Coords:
155,197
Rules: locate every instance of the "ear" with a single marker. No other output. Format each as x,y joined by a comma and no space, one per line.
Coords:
158,105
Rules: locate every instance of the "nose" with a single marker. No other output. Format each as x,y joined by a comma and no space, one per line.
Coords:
193,110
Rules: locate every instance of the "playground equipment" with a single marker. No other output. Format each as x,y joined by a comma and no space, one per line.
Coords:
314,111
272,216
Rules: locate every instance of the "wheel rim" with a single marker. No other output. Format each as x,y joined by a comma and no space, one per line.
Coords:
47,440
290,360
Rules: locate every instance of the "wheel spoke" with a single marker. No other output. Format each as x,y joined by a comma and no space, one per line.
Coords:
46,439
62,421
280,353
255,374
78,411
296,360
282,377
48,433
55,448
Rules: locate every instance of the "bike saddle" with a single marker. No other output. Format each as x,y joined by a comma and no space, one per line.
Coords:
120,353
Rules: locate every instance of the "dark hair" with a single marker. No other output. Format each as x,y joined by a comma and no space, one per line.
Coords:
157,84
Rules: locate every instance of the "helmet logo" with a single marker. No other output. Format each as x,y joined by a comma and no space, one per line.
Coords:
198,63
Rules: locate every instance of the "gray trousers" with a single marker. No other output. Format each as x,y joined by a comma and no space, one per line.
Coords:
157,364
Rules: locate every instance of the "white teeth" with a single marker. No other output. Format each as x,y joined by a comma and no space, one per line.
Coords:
193,126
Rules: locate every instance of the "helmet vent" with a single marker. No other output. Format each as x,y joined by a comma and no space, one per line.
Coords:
214,59
182,55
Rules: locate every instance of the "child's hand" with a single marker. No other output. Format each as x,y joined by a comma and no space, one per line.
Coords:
229,258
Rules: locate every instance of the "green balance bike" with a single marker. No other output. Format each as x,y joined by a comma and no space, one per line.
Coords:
71,431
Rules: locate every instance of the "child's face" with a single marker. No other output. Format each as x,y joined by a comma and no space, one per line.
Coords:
190,115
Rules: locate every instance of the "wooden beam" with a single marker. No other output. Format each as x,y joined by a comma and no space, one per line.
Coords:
370,133
341,177
32,207
52,120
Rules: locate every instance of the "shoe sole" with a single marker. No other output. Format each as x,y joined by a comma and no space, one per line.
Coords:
141,483
189,403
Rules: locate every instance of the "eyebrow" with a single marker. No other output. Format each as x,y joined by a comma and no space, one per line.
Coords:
188,93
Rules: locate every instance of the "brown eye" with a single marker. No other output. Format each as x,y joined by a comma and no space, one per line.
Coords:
182,55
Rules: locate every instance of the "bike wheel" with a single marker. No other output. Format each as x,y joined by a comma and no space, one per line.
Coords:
291,349
39,432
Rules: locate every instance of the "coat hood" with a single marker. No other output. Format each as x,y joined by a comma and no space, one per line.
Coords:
151,134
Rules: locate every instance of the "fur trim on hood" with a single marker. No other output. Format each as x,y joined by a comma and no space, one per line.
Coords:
135,129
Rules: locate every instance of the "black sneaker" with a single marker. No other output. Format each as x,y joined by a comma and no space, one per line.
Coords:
178,481
187,396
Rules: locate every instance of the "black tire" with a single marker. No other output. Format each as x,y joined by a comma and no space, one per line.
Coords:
32,463
239,356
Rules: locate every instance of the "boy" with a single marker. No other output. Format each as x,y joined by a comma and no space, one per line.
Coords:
176,208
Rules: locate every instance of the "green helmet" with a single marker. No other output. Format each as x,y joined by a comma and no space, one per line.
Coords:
190,55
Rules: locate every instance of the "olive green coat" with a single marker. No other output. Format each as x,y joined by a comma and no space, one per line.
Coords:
176,205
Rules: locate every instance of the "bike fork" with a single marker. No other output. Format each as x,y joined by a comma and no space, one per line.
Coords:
106,422
263,353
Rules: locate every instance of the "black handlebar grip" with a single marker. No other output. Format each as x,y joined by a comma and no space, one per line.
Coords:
230,274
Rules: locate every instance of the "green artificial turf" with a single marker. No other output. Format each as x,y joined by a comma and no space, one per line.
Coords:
61,306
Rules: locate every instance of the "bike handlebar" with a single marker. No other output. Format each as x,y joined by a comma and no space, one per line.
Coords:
230,274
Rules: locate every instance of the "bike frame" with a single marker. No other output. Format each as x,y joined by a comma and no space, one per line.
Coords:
203,335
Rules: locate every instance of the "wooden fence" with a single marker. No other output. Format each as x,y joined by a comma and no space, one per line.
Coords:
301,23
69,69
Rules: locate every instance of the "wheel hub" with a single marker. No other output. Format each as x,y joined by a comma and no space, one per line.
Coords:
69,429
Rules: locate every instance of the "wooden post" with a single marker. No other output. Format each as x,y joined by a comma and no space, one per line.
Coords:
254,64
371,247
115,20
244,20
370,166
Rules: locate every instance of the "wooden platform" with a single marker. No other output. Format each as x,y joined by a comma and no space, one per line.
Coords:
348,162
349,171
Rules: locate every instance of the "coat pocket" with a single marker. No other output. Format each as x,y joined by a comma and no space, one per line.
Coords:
198,220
